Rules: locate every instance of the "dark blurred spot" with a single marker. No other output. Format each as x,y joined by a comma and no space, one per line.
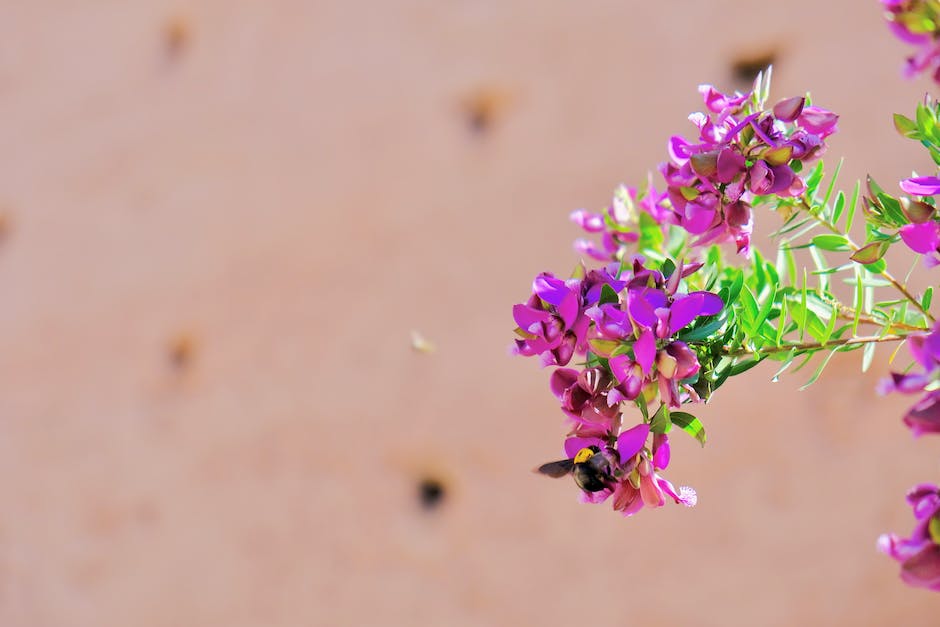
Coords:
484,107
176,35
182,351
745,68
431,493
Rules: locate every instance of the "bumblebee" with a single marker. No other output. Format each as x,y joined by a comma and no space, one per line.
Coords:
590,469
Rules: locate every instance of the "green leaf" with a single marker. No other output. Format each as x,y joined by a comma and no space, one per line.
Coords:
743,366
867,355
831,242
906,126
870,253
608,295
928,296
819,370
749,307
813,180
838,207
765,309
690,424
877,267
832,184
704,328
660,422
853,205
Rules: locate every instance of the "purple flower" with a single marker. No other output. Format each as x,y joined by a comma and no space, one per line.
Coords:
919,554
922,238
921,185
915,22
642,485
741,154
551,322
618,224
584,399
924,416
666,315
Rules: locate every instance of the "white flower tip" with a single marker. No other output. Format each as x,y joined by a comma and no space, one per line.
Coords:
688,496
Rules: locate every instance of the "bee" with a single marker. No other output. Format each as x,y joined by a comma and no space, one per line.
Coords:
590,469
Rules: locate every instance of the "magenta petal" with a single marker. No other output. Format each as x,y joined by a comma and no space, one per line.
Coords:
644,349
662,455
525,316
619,367
562,380
923,568
590,222
684,310
550,289
921,185
641,310
569,307
921,238
711,303
730,164
698,219
631,441
573,445
789,109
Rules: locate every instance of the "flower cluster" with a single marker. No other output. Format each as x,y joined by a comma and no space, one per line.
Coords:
917,22
922,235
924,416
630,468
625,321
618,224
742,151
919,554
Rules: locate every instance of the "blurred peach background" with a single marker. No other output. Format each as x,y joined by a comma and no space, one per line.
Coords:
221,222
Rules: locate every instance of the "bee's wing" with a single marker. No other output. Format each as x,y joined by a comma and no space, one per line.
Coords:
556,469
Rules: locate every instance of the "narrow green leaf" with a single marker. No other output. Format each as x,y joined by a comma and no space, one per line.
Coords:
765,309
925,300
786,364
690,424
831,326
782,322
867,355
832,184
906,126
819,370
812,181
831,242
838,207
803,303
853,204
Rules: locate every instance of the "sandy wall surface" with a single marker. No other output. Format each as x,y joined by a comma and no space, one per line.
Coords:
223,219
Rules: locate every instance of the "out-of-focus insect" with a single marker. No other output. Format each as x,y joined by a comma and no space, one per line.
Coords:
590,469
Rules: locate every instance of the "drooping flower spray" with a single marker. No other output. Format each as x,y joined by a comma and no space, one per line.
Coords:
674,298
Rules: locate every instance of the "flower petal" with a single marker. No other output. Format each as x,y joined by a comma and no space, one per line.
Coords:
573,445
921,185
684,310
921,238
631,441
644,349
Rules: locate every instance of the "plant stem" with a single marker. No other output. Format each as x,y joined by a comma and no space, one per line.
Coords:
809,346
887,276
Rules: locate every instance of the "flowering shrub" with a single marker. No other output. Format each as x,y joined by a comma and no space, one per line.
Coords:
676,299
